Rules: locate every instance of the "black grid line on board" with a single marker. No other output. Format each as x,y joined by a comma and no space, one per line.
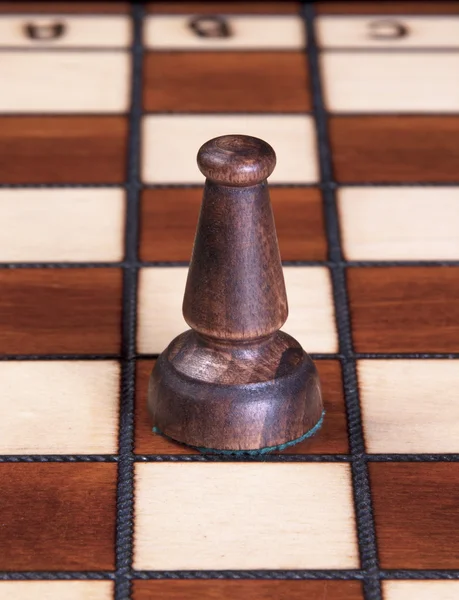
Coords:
362,264
360,477
270,458
125,484
160,264
56,575
269,574
313,355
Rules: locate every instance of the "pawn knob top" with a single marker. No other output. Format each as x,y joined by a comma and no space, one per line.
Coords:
236,160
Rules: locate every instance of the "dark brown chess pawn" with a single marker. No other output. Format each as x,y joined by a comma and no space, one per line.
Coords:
234,382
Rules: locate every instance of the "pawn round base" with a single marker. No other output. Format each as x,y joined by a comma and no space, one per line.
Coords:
257,451
194,397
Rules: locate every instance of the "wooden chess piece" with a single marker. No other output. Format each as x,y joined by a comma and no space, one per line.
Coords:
234,382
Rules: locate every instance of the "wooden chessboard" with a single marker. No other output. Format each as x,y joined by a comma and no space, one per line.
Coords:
102,110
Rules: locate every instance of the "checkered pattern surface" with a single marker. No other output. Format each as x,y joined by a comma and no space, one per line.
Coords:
99,197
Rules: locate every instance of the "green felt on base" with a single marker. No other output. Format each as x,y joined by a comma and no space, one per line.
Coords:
258,451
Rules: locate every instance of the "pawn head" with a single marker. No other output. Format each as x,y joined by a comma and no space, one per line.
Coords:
236,160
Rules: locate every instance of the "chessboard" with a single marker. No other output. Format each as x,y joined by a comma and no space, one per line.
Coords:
103,107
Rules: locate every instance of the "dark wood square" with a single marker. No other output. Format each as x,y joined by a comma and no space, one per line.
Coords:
395,148
207,8
253,590
65,7
404,309
415,507
226,81
60,311
331,439
63,149
168,223
170,216
389,8
57,517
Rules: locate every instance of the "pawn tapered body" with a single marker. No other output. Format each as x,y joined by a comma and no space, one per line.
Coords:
234,381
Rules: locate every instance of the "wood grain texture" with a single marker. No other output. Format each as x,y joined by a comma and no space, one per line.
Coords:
410,406
300,223
240,161
159,311
169,218
60,311
79,31
147,442
64,7
398,149
70,225
168,223
311,317
331,439
236,224
405,309
223,7
292,135
311,309
223,81
57,517
399,223
372,32
391,82
70,82
421,590
415,507
213,396
251,516
255,590
235,382
63,149
333,435
246,32
57,590
387,8
59,407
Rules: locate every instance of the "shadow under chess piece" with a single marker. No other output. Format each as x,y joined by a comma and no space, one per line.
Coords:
234,383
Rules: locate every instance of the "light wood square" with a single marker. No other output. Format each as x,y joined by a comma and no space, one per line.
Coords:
311,312
244,516
64,82
387,31
56,590
173,32
410,406
59,407
171,142
40,225
159,315
112,31
311,317
420,590
418,82
399,223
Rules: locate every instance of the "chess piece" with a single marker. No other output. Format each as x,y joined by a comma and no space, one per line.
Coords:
234,382
210,26
44,32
